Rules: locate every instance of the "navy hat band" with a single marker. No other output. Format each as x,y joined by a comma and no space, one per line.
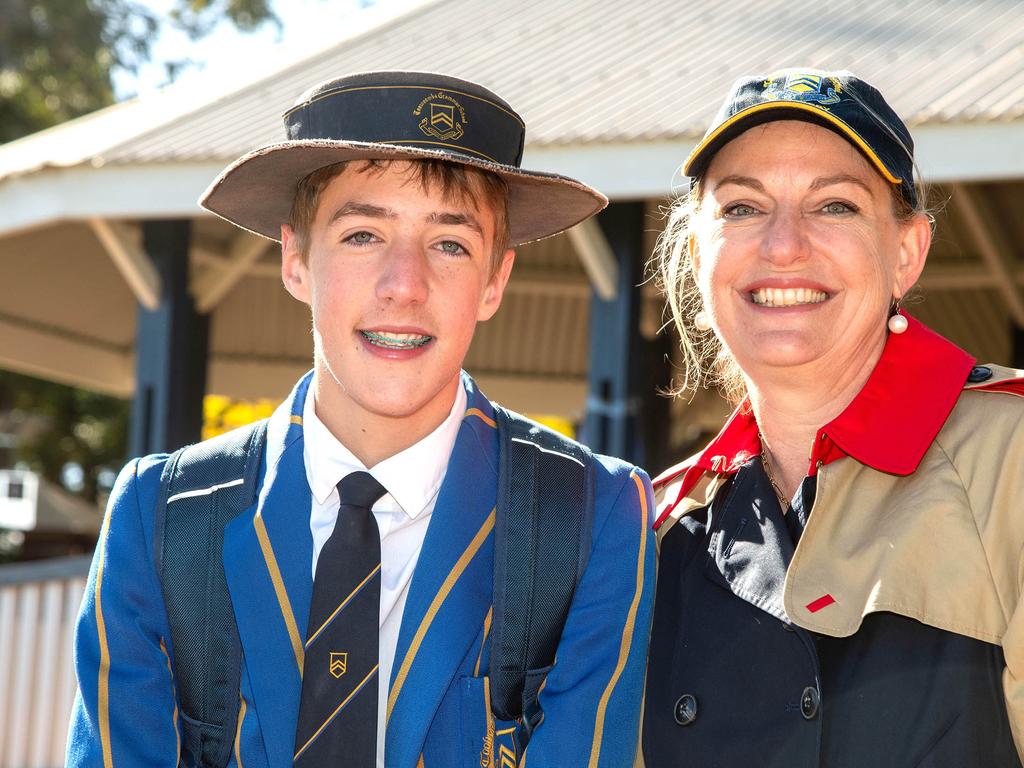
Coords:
436,119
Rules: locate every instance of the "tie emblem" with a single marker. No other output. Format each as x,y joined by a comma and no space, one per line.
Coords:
339,663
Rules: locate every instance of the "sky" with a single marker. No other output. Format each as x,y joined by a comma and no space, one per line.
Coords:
227,54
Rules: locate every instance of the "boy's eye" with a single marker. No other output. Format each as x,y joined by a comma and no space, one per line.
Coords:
361,238
452,247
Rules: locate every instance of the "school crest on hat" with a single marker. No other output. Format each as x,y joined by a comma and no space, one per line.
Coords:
815,89
445,118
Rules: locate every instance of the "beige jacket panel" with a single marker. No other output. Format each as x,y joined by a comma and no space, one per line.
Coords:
944,546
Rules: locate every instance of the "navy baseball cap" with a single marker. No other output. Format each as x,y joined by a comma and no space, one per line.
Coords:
840,101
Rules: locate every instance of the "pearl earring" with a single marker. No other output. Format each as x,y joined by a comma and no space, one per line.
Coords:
701,321
898,323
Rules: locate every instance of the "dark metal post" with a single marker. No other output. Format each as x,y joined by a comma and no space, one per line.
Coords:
170,349
612,423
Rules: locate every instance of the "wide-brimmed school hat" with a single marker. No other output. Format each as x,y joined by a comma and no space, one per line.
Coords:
398,116
840,101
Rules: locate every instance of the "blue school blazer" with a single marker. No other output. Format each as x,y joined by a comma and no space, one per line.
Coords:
439,716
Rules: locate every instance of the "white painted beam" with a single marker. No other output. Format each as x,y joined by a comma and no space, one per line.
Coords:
217,280
993,245
131,261
51,355
158,190
597,258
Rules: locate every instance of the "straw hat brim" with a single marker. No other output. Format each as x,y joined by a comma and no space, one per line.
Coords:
256,191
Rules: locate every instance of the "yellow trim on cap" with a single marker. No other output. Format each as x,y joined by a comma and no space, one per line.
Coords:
846,129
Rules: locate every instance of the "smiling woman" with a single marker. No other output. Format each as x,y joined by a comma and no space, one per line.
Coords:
839,571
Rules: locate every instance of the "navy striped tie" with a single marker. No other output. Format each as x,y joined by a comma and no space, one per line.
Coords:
338,706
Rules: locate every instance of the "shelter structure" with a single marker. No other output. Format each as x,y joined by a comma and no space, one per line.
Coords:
115,280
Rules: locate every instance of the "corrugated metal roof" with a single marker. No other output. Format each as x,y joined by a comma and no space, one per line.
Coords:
600,70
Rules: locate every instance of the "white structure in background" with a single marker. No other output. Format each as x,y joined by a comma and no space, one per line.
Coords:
29,502
19,494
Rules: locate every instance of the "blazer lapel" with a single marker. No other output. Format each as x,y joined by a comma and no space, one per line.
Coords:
451,588
752,547
267,562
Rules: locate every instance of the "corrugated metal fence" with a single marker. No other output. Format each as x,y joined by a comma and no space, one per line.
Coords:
38,604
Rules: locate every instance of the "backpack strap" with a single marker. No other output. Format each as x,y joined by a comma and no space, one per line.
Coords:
202,487
542,538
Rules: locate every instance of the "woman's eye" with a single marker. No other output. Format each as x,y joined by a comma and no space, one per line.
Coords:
838,207
360,238
740,209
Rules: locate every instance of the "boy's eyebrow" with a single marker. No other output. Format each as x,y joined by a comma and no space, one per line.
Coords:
456,219
354,208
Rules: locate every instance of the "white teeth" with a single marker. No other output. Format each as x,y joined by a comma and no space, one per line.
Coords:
396,340
786,297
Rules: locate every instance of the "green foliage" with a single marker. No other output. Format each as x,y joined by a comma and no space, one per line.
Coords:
57,425
57,56
199,17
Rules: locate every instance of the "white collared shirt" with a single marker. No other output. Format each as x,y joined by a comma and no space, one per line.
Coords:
412,479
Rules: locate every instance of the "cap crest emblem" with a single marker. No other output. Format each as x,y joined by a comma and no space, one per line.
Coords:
809,88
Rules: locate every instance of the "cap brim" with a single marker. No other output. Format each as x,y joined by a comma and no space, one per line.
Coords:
256,191
699,158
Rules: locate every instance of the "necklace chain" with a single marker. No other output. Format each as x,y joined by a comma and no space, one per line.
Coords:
783,501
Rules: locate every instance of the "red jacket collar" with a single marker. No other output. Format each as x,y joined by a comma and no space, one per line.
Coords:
888,426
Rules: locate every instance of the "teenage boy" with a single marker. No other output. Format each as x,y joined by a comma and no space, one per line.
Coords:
361,578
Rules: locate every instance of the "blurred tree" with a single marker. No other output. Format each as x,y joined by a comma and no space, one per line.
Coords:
60,427
57,56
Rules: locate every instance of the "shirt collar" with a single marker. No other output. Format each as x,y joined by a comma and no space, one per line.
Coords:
890,423
412,477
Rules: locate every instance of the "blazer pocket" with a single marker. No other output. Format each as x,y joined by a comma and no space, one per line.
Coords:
487,742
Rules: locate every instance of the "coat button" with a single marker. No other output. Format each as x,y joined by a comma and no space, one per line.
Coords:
809,702
978,374
685,710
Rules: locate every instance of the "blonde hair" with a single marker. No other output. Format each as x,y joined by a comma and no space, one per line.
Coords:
456,182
